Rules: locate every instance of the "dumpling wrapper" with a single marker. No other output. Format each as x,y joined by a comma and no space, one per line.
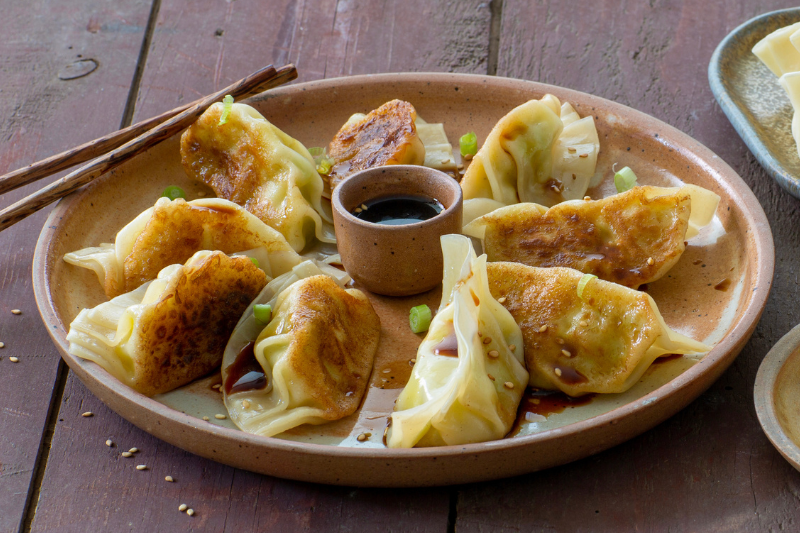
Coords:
316,353
172,330
540,152
254,164
623,335
472,396
438,150
791,84
385,136
171,232
780,50
630,238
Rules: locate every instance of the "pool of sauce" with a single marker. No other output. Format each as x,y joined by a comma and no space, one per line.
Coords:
398,210
665,358
723,285
245,373
545,403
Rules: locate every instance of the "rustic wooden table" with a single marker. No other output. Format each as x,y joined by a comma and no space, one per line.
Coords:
708,468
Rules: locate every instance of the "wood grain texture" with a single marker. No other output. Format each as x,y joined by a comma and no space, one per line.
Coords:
710,468
197,47
41,114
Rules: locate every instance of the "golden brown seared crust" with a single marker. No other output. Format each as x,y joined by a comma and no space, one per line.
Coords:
184,335
385,136
335,334
628,238
618,326
176,231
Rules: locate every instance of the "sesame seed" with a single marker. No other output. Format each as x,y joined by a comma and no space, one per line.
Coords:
536,401
468,157
14,359
587,198
2,345
583,323
543,329
559,341
490,377
583,156
170,479
566,353
201,194
190,512
220,417
571,150
502,299
386,370
134,450
460,166
362,437
141,467
16,312
444,161
650,261
512,347
216,386
245,404
358,210
487,340
508,385
364,207
109,442
126,454
494,354
87,414
558,372
205,418
182,507
411,362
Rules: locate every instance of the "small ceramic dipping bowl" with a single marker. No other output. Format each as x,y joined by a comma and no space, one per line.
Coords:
395,260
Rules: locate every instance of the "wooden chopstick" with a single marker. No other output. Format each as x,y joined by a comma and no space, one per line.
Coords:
85,174
98,147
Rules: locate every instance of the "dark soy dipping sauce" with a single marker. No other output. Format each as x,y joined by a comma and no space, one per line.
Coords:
245,373
545,403
448,346
397,210
723,285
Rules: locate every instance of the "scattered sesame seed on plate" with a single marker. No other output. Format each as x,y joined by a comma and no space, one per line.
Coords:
190,512
87,414
362,437
2,345
386,370
141,467
502,299
170,479
134,450
220,417
583,323
16,312
126,454
216,386
206,418
566,353
587,198
14,359
109,442
182,507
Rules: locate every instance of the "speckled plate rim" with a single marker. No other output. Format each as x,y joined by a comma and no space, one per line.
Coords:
764,395
733,111
451,464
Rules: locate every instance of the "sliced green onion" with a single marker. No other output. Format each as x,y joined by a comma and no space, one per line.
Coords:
255,262
321,159
469,144
227,104
173,191
625,180
262,312
582,283
420,318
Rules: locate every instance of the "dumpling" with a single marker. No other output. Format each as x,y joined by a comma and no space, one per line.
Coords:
438,150
173,329
791,84
311,363
252,163
171,232
385,136
584,336
539,152
630,238
469,377
780,50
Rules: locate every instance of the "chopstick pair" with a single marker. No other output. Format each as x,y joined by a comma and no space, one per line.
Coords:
123,144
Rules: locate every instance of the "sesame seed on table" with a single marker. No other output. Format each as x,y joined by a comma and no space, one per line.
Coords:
61,469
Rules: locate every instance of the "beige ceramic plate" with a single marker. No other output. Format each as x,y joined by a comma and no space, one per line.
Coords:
777,396
736,250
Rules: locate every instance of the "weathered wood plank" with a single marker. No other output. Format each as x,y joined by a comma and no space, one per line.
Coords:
197,47
44,109
709,468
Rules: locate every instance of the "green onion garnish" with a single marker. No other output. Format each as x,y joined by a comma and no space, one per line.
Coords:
469,144
321,159
227,104
262,312
420,318
255,262
625,180
582,283
173,191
